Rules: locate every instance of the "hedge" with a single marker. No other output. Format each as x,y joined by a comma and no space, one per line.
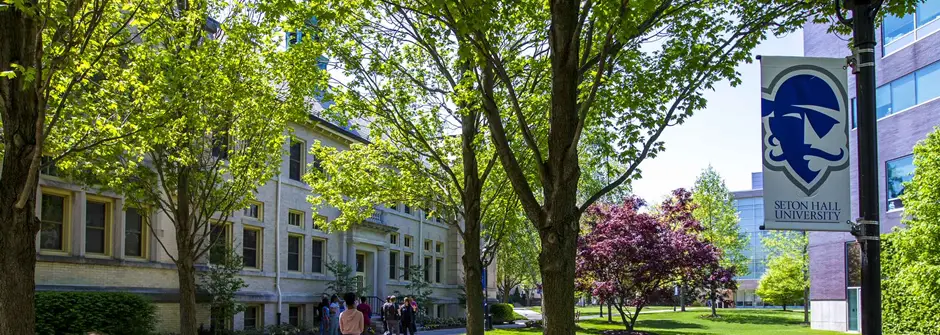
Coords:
905,310
83,312
503,313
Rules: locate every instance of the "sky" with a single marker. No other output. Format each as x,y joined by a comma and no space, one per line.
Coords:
726,134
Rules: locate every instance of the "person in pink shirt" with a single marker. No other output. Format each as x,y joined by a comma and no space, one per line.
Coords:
351,320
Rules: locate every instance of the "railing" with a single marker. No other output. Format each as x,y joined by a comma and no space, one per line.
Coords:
376,217
376,304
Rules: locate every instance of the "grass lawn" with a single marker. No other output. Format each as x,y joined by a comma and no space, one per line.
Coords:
732,321
592,311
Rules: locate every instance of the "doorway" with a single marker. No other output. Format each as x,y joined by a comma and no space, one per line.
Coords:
854,310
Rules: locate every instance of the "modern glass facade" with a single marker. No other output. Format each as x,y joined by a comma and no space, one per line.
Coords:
750,206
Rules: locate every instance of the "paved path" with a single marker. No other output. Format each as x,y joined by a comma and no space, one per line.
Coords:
528,313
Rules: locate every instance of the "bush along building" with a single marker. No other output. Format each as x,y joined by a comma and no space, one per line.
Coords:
92,242
907,67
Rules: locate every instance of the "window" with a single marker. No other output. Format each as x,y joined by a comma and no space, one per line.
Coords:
360,263
853,264
441,311
908,91
254,317
296,165
323,219
294,245
317,247
295,315
898,32
408,241
97,226
427,245
295,218
255,210
220,145
897,172
251,247
393,265
134,235
54,217
407,209
48,167
408,263
427,269
219,243
438,264
393,239
439,248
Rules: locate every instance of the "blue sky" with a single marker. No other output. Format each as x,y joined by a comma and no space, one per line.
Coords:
726,134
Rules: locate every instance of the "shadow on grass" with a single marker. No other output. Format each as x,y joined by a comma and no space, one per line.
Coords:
763,318
667,324
658,327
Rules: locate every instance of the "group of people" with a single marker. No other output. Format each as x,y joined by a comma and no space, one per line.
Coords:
399,319
352,315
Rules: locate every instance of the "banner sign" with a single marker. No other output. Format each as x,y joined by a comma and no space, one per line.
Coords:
805,141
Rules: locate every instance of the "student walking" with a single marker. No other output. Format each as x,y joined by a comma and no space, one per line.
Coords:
325,317
366,311
391,316
351,321
334,315
408,312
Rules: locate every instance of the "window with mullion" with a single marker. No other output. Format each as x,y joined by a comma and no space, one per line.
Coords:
96,217
296,164
250,247
133,233
293,252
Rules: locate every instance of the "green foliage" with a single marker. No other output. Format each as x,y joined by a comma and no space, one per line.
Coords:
783,283
504,313
344,280
82,312
911,256
513,260
418,289
714,209
787,274
444,323
222,282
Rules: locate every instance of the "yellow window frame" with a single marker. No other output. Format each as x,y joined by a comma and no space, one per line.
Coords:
66,219
260,205
300,252
259,246
108,224
144,234
303,217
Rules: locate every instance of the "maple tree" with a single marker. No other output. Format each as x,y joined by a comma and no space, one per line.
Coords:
628,257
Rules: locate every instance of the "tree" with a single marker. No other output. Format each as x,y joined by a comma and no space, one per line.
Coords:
556,77
343,279
222,282
415,84
912,253
792,248
783,282
59,69
215,97
629,257
418,289
714,208
512,262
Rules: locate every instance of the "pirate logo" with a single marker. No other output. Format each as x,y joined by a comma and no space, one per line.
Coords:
804,128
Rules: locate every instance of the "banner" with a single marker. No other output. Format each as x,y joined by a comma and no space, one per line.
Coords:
805,142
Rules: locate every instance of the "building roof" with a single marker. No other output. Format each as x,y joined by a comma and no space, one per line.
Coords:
343,131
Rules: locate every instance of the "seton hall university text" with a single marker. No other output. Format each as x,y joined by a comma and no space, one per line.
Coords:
807,210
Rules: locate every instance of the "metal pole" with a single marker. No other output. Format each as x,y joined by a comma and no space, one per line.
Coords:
863,17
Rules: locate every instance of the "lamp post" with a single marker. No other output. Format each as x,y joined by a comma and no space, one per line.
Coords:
867,230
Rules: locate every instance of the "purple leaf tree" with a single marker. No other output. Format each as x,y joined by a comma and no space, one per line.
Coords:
628,256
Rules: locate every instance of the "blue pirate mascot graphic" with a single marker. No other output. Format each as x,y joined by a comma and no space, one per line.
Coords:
802,112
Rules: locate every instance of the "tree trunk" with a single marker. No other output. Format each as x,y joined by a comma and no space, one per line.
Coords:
806,305
473,254
23,116
714,299
556,261
784,307
186,256
682,297
610,313
187,278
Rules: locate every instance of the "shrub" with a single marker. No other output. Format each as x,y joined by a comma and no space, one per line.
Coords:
83,312
444,323
503,313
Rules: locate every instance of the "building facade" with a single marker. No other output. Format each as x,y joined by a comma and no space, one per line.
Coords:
750,206
91,242
908,85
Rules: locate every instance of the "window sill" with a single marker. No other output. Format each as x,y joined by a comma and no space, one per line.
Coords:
895,210
98,256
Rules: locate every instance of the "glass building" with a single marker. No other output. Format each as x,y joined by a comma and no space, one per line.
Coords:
750,206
